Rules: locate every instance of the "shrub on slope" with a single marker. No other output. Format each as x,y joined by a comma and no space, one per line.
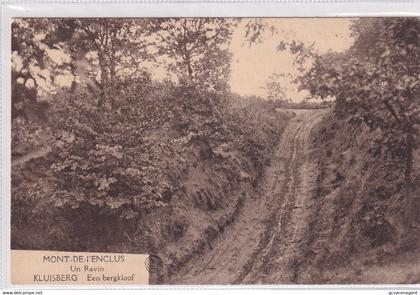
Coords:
361,197
153,172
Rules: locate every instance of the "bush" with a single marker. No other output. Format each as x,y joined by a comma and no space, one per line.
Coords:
114,166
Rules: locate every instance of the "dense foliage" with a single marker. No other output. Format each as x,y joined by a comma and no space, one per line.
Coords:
114,168
375,82
114,146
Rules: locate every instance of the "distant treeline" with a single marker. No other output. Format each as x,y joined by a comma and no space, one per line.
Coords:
303,105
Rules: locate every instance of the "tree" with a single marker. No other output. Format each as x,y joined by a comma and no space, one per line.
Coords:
101,51
29,62
256,30
116,47
198,47
274,88
377,82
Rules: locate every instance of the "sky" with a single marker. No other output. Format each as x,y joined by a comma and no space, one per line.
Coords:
252,66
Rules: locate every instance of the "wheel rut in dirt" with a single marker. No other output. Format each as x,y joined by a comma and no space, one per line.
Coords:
262,244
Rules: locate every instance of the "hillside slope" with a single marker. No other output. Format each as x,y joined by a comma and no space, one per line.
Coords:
365,229
200,169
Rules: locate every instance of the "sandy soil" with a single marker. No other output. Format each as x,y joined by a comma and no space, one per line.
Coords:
261,246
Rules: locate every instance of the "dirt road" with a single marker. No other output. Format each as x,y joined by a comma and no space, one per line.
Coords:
263,243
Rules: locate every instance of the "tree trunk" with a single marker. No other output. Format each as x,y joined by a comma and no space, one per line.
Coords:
190,71
409,160
112,81
104,79
410,206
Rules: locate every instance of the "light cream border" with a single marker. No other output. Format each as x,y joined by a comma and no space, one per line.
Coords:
156,8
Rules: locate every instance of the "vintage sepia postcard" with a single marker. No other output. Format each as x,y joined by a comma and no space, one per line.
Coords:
214,150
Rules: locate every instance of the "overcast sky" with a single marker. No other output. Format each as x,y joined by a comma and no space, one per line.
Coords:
251,66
